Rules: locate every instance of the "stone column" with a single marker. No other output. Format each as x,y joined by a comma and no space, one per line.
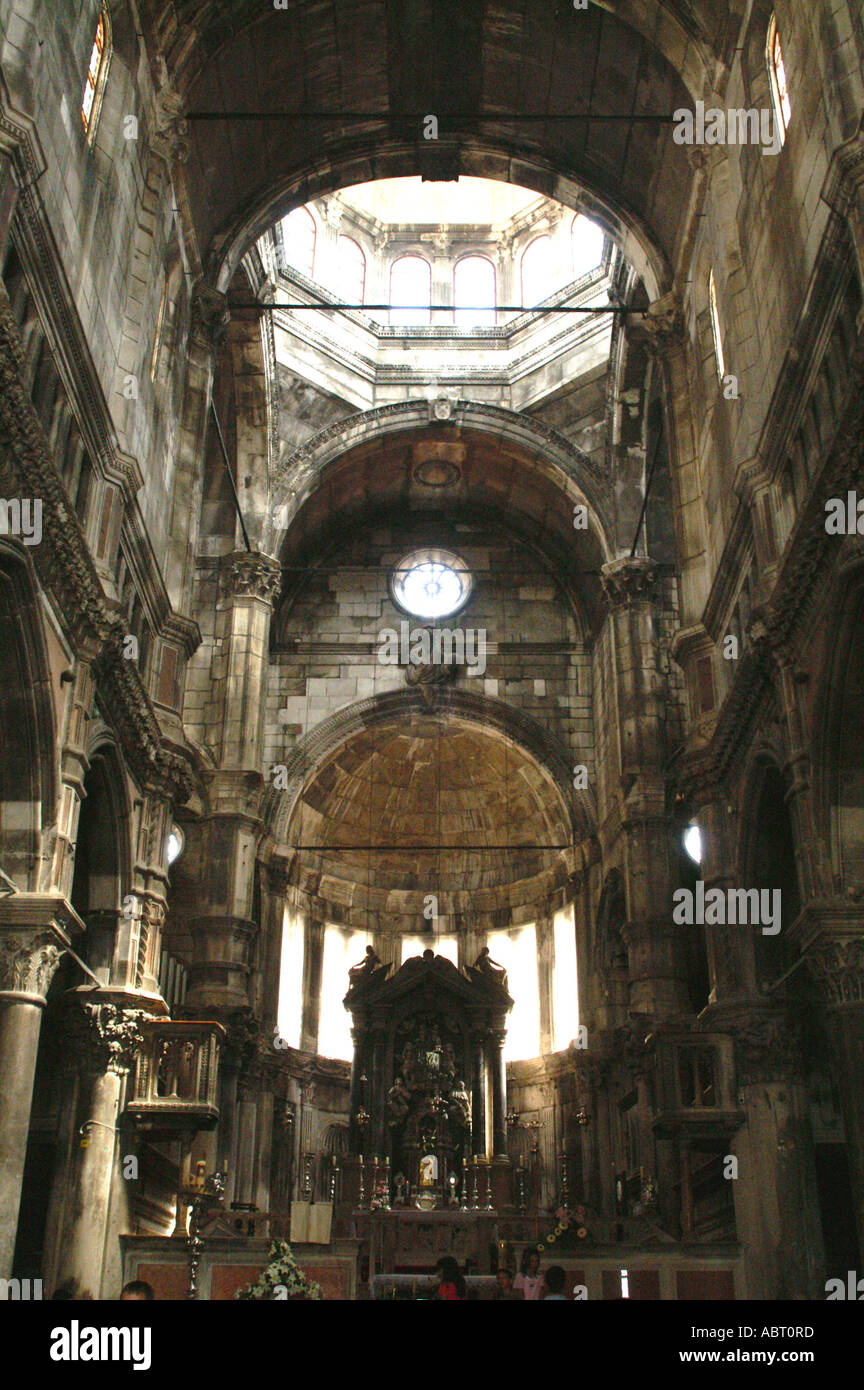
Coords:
478,1099
105,1038
34,931
29,955
499,1093
835,959
223,932
658,975
775,1192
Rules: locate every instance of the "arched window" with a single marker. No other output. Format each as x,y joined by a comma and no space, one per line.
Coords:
350,270
586,245
410,290
97,72
715,327
516,950
157,336
342,949
777,73
290,1010
474,292
565,991
535,271
298,238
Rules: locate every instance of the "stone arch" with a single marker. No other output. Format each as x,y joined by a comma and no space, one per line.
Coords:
102,870
767,857
495,715
28,770
570,470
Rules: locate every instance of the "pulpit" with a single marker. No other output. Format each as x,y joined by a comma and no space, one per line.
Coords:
428,1046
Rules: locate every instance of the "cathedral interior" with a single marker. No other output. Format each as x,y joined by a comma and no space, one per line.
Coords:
431,583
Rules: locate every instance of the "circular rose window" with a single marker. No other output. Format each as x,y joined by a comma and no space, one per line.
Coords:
431,583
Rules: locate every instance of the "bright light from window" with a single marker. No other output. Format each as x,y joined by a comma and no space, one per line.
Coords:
586,245
565,992
536,266
290,1011
779,83
693,843
446,946
715,327
516,950
474,292
350,270
342,949
410,290
625,1284
174,845
94,71
431,583
298,239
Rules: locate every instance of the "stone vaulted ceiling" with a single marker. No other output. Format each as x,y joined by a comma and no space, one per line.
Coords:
499,75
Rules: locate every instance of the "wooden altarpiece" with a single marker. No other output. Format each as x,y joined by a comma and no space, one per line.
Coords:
427,1054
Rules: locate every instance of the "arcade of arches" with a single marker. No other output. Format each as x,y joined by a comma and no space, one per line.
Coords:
415,586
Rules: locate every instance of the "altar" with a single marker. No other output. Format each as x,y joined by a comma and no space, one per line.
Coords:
411,1242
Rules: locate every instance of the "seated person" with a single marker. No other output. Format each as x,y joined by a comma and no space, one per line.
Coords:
554,1285
137,1290
504,1290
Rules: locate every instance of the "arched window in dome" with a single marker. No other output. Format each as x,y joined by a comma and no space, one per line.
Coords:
535,270
410,290
97,73
350,270
299,234
565,990
716,331
777,74
586,245
474,292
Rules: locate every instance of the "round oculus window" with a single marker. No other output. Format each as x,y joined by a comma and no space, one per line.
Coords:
431,583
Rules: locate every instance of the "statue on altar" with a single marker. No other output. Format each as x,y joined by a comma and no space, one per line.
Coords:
364,969
489,971
459,1107
428,1170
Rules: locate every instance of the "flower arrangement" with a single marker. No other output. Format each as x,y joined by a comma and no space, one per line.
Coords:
567,1221
282,1278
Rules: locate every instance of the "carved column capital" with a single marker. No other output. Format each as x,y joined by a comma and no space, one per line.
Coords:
629,580
836,965
210,312
661,327
250,574
35,930
106,1036
28,961
769,1046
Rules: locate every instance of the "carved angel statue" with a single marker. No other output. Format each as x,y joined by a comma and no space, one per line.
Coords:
364,968
486,966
